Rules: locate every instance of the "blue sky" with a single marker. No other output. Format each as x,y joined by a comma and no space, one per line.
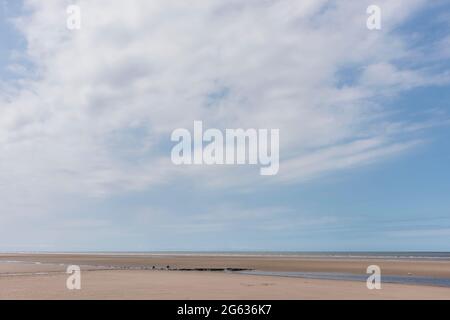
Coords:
86,117
10,39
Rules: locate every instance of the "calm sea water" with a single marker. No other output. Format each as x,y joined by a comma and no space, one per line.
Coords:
313,254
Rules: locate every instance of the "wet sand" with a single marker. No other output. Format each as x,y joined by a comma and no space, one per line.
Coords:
132,277
436,268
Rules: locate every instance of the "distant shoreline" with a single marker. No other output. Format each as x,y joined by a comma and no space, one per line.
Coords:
415,255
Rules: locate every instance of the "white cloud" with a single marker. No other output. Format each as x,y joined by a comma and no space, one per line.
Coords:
95,115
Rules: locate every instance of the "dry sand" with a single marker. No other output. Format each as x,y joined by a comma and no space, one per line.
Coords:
149,284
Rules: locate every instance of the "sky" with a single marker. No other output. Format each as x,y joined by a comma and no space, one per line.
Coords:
86,118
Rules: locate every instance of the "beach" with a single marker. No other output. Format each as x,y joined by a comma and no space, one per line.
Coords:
171,276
